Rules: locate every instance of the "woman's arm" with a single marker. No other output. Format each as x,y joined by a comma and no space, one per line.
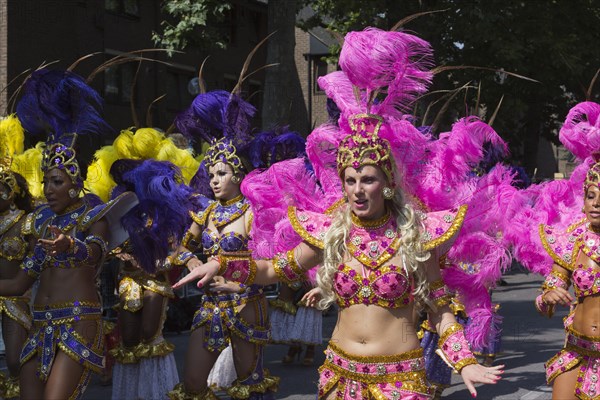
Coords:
88,251
554,291
184,255
21,282
287,267
453,345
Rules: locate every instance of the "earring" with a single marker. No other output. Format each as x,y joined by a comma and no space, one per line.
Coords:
13,207
388,193
73,193
4,196
235,179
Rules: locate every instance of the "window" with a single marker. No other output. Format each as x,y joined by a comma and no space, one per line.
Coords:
319,69
130,8
118,81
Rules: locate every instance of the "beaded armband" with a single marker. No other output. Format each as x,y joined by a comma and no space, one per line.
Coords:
555,279
238,268
80,251
189,241
287,269
182,258
33,264
439,293
454,348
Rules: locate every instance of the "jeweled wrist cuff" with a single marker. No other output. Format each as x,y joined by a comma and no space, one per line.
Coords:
287,269
454,348
189,241
439,293
555,279
183,258
95,239
81,251
543,307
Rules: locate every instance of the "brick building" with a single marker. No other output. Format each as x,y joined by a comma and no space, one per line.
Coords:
33,32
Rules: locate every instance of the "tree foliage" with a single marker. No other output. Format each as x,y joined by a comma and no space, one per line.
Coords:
553,42
192,22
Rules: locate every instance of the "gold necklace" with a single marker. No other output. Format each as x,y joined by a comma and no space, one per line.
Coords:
370,223
232,201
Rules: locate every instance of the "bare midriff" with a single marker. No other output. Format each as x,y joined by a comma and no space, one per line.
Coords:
370,330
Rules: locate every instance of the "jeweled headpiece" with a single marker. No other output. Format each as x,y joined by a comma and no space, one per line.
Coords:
7,177
592,177
364,146
61,155
223,150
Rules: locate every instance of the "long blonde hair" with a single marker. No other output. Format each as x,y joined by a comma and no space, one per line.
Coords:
336,251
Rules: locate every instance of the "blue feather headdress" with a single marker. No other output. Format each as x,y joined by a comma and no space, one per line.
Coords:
60,105
223,120
269,147
162,213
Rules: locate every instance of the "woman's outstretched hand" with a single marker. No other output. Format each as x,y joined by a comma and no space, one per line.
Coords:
60,243
204,272
476,373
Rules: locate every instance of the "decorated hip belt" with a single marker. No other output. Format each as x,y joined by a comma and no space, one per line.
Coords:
53,327
361,367
67,313
582,344
220,318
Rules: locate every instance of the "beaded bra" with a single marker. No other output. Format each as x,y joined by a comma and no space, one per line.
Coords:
373,244
74,222
222,214
564,247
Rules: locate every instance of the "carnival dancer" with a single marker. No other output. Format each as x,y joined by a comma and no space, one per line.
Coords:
145,365
568,241
376,262
223,228
15,203
68,241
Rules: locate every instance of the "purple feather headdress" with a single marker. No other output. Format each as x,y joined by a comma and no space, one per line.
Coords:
269,147
162,213
60,105
224,120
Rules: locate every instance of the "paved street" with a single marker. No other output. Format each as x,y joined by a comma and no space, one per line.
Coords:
528,341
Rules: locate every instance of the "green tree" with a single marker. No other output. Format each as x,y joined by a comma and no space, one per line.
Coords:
192,23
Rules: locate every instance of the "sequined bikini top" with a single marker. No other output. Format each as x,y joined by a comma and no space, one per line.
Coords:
373,244
564,248
12,247
228,242
222,214
75,222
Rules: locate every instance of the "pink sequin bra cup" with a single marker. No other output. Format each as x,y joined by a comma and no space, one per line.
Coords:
586,281
388,287
564,248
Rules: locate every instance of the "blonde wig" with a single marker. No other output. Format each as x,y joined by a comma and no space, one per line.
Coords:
409,229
